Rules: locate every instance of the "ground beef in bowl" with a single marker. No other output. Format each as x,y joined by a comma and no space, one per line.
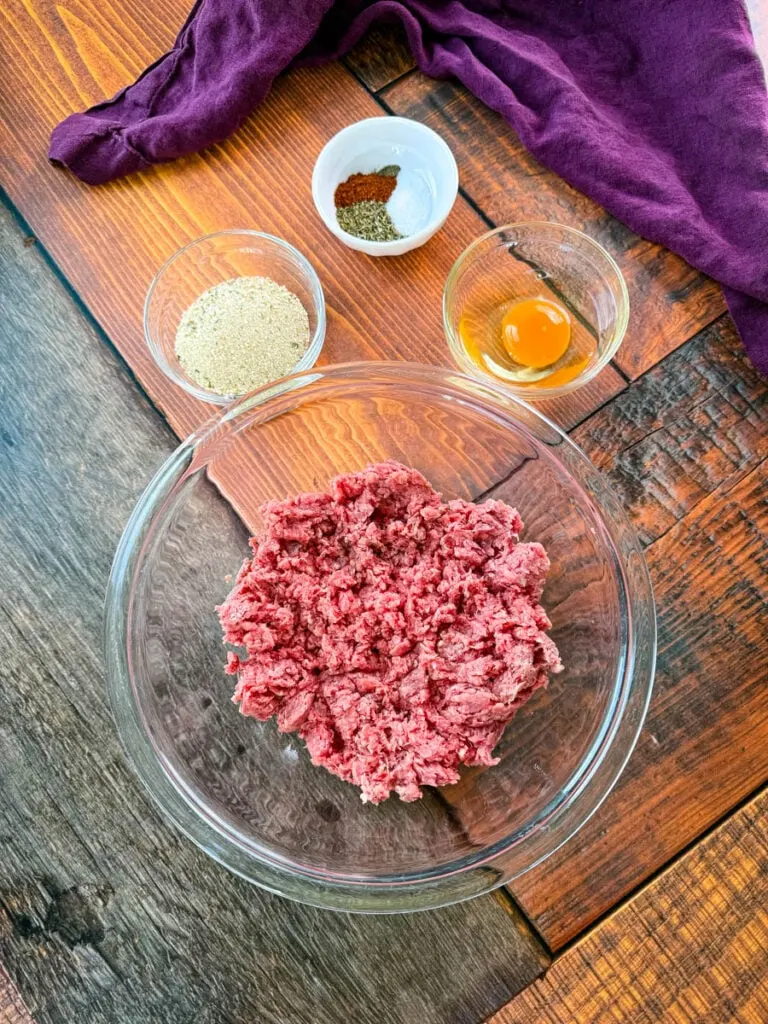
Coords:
396,633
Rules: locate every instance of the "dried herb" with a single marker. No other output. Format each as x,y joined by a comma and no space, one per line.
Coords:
368,219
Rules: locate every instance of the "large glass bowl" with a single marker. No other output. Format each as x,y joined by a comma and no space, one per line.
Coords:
248,794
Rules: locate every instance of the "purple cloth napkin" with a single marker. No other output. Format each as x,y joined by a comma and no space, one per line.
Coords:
654,108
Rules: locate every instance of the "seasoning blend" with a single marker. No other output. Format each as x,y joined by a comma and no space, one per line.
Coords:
361,205
242,333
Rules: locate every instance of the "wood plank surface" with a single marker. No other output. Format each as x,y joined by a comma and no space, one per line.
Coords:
696,425
12,1009
669,301
691,948
109,241
107,913
686,448
684,444
381,56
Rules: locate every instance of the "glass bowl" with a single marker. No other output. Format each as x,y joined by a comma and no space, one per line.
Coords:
248,794
537,260
210,260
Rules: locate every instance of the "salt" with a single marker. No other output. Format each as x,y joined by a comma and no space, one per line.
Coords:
410,205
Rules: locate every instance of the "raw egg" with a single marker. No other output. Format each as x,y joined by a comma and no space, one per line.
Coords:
536,332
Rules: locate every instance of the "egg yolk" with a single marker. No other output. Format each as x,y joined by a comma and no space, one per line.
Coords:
536,332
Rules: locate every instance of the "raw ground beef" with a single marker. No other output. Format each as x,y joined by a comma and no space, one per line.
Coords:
396,633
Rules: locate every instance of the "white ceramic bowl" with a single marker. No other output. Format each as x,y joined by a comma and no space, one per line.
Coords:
428,172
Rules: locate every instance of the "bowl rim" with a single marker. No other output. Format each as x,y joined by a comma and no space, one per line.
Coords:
540,393
447,883
436,221
308,358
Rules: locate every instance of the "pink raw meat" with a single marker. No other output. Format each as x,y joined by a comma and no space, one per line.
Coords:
396,633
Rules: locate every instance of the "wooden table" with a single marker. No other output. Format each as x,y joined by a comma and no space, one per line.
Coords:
656,910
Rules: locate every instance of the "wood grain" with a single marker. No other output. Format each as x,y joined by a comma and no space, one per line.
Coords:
669,300
381,56
691,948
695,424
691,430
106,913
12,1009
109,241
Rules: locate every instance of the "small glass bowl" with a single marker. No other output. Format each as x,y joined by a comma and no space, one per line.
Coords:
210,260
247,793
538,259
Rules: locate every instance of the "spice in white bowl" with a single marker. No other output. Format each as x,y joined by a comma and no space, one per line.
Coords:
361,208
242,333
